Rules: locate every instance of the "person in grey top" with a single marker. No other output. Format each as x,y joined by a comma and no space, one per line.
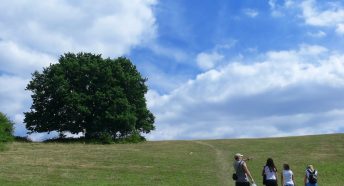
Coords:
242,171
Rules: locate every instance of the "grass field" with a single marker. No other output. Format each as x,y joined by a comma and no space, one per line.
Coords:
206,162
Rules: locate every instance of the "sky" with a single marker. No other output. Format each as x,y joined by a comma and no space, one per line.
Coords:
216,68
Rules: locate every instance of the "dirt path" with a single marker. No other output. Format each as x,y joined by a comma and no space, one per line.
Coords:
224,170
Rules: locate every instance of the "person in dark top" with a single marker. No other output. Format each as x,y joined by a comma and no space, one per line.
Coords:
243,174
311,177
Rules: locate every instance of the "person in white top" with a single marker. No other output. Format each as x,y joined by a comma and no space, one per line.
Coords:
287,176
270,172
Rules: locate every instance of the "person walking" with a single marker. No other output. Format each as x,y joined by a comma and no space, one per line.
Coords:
241,171
270,173
311,177
287,176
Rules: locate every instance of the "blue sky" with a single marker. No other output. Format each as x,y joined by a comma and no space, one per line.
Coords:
215,69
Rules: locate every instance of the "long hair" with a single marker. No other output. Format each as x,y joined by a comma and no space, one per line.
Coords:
271,165
286,166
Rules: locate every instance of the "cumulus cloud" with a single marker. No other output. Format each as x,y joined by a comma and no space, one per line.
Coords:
340,29
21,61
111,28
12,94
34,33
291,92
333,16
208,60
13,100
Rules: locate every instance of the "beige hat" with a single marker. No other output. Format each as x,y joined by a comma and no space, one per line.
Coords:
310,167
237,155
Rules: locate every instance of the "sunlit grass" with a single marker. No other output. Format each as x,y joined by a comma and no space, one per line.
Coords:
205,162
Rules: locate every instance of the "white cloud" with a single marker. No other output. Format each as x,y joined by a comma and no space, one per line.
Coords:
12,94
251,12
21,61
289,3
292,92
34,33
13,100
111,28
208,60
42,136
333,16
327,17
275,9
340,29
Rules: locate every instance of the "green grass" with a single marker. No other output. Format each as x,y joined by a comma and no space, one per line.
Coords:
206,162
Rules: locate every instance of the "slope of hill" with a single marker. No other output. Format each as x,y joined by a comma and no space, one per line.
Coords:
202,162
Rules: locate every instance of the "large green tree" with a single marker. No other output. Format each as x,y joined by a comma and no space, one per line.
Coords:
85,93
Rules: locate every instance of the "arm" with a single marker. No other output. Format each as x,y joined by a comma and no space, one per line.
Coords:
282,179
305,179
247,172
292,177
246,159
276,177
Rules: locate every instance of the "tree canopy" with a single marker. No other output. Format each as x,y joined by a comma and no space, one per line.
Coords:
85,93
6,128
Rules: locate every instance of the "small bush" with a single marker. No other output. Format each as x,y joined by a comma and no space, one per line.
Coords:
6,128
101,138
105,138
65,140
22,139
132,138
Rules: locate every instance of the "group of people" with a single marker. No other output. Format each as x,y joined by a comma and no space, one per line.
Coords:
242,174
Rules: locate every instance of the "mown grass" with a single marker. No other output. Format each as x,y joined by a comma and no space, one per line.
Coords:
3,146
167,162
325,152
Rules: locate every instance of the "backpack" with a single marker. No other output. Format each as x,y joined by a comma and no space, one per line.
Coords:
312,178
235,176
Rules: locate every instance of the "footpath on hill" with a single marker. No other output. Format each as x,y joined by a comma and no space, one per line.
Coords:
222,163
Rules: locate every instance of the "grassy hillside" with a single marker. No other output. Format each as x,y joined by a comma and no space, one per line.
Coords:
167,162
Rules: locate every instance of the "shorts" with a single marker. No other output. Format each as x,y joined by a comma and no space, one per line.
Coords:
311,184
271,183
242,184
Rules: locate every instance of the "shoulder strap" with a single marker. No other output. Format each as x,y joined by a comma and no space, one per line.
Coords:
236,170
310,172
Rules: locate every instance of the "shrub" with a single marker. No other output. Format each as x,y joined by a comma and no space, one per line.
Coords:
22,139
105,138
135,137
6,128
